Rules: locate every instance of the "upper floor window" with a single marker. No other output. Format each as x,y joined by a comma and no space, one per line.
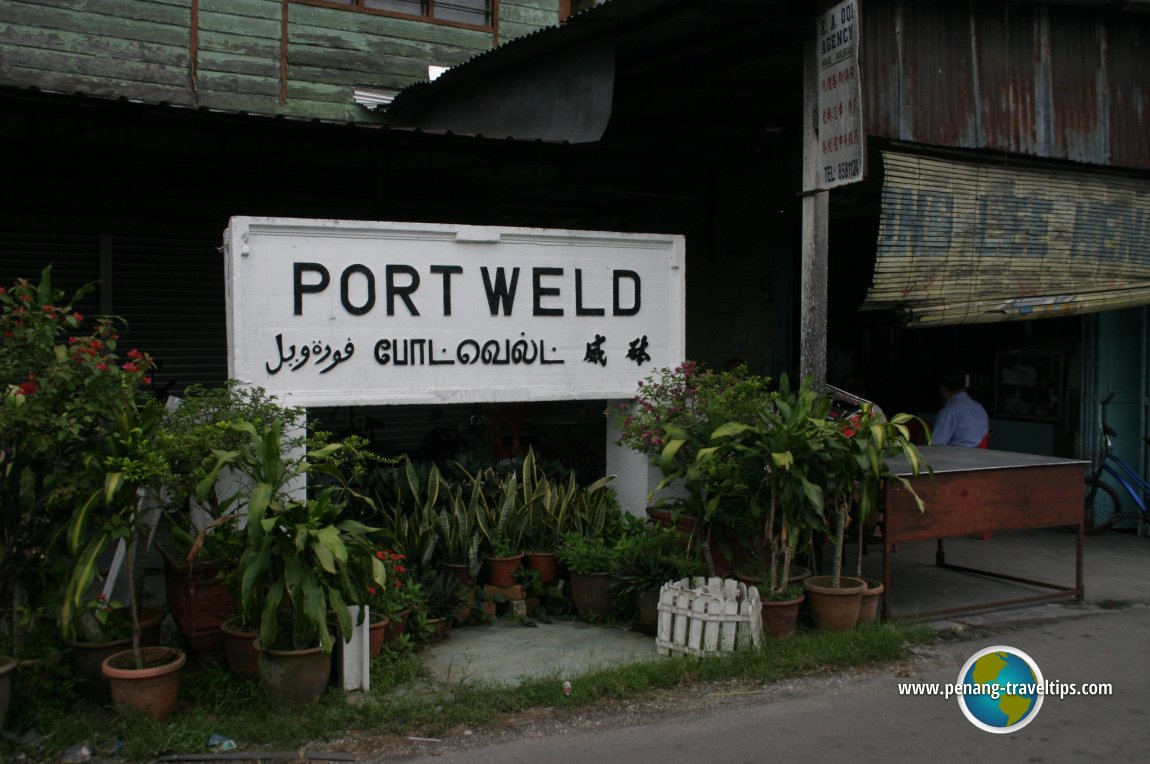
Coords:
471,12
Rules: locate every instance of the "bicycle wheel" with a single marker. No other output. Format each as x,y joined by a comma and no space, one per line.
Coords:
1103,506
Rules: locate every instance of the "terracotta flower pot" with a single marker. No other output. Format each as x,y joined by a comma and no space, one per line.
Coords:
500,571
781,617
871,601
377,635
151,690
546,564
199,602
293,678
834,608
798,574
86,658
461,572
240,648
591,594
397,626
441,627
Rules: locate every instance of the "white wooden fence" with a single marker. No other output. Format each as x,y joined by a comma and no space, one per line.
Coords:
702,616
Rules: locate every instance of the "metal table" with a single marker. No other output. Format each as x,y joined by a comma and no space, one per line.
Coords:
979,492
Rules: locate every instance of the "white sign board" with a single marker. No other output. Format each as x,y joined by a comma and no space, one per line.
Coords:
327,313
842,142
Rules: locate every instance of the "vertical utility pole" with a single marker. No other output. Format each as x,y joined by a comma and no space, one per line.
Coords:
813,271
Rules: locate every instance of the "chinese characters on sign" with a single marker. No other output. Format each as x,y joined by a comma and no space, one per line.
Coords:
842,144
335,312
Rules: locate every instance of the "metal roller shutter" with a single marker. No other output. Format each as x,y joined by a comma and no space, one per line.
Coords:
75,261
171,293
963,243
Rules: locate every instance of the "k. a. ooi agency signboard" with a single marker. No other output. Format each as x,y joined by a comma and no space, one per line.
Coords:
328,312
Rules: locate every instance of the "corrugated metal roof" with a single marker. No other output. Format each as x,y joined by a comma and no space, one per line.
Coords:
1054,80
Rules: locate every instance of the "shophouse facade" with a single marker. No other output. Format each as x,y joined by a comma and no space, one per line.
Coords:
1001,223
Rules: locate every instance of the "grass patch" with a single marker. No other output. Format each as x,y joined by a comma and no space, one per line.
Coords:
213,701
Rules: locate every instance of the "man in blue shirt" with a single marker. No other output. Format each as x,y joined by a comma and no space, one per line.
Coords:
962,421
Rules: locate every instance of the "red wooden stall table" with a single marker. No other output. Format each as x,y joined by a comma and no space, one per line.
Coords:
980,492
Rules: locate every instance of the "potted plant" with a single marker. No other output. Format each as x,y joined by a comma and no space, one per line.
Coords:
590,561
206,539
64,387
305,558
443,597
778,462
644,562
555,506
856,468
502,524
672,417
871,439
387,603
545,511
459,536
144,679
408,498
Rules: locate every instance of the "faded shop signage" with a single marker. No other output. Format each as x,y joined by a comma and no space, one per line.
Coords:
340,312
842,144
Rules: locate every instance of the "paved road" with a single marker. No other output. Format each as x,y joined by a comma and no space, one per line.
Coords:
848,718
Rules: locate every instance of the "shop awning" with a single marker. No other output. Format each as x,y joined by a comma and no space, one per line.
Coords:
964,242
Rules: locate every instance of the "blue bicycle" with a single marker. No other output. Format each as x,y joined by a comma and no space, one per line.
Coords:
1103,503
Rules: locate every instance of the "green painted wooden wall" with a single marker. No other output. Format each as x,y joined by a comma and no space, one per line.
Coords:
230,58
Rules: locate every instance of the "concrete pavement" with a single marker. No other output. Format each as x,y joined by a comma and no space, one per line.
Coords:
1114,576
862,713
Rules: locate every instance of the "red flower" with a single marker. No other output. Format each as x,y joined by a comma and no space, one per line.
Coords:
379,555
28,388
102,366
26,298
133,353
3,291
78,316
95,344
130,367
73,340
49,308
371,590
146,380
400,569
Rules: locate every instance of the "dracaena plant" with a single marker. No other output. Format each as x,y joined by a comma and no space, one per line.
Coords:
306,556
864,443
778,463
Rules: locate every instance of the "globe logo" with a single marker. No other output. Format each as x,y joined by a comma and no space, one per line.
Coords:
1002,689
